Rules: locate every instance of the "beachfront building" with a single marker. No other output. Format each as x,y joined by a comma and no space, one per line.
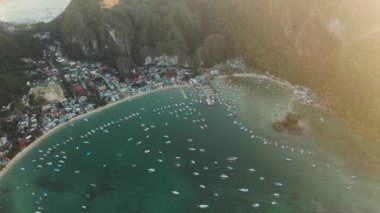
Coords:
4,142
85,86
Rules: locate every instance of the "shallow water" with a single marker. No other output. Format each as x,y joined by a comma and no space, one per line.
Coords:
186,144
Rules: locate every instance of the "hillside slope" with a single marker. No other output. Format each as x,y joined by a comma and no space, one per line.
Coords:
14,47
135,32
329,45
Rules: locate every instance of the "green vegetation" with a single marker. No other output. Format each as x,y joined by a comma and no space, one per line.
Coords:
13,47
294,40
37,101
127,34
295,43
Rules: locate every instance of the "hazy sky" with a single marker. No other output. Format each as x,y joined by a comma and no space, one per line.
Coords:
31,10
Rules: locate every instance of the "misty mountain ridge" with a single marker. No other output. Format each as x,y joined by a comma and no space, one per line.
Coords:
330,46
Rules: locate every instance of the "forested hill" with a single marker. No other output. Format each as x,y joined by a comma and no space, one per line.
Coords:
134,32
14,47
329,45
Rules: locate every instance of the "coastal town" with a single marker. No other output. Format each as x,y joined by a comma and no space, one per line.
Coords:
61,89
189,106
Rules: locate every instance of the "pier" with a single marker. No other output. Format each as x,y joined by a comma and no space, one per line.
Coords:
183,93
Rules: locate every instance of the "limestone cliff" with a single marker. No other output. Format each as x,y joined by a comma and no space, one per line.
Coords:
137,32
329,45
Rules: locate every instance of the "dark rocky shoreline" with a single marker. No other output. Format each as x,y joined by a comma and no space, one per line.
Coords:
290,124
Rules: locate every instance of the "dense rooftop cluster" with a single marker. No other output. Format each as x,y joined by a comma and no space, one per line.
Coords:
61,89
69,88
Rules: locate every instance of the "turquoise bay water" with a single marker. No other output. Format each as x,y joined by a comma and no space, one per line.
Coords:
141,153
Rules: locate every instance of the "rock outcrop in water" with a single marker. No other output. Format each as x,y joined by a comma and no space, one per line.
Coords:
330,46
290,124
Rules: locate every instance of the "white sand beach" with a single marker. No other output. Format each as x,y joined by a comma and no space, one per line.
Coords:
58,127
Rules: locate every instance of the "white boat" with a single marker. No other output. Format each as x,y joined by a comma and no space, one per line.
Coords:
175,192
151,170
230,168
223,176
203,206
232,159
256,205
243,190
278,184
251,170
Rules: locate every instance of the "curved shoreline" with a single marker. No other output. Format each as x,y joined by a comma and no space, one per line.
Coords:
40,139
282,82
260,76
